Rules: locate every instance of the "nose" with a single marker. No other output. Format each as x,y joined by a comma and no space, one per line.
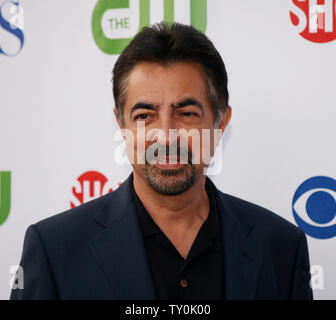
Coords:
167,129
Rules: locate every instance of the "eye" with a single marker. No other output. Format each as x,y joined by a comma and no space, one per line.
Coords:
314,207
188,114
141,116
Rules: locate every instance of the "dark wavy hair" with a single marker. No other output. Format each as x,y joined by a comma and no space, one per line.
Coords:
167,43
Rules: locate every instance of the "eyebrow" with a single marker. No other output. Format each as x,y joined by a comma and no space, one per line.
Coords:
189,102
142,105
185,102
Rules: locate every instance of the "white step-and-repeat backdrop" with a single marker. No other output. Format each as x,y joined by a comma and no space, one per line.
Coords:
58,135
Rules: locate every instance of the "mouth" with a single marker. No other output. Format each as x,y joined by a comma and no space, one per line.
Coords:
172,162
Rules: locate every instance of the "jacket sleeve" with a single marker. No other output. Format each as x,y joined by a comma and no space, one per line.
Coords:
38,282
301,289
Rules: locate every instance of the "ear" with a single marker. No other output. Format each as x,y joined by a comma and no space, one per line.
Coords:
222,125
225,119
117,118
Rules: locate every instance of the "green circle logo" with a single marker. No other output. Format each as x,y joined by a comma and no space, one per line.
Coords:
116,22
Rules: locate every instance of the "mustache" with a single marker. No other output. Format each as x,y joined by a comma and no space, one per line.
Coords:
174,150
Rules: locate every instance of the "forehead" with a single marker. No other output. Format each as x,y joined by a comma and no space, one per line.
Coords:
166,82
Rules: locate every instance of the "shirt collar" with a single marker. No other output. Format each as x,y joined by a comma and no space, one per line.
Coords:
149,227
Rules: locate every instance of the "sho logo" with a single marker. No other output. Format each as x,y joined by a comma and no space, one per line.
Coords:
90,185
16,280
314,20
115,23
314,207
11,22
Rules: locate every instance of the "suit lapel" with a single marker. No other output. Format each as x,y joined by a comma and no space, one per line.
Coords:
243,253
119,248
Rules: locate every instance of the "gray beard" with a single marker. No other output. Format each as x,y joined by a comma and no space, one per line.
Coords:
170,181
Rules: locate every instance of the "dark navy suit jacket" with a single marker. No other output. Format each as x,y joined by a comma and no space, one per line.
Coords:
96,251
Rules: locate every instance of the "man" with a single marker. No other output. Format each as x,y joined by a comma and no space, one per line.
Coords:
167,232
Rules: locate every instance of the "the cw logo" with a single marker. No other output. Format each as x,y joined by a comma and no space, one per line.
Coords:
313,20
115,23
5,195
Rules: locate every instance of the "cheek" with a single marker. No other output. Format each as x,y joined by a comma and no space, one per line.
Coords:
191,140
135,145
203,147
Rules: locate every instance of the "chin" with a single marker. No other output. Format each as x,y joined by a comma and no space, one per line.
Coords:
171,181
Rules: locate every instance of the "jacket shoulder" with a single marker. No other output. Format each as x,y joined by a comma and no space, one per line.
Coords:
74,223
270,224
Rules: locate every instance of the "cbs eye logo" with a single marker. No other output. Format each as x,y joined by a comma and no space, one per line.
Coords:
314,207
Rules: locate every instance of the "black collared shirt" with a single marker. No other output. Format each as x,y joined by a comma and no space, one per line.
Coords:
200,275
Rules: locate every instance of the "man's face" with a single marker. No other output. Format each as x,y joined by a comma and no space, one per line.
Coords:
159,99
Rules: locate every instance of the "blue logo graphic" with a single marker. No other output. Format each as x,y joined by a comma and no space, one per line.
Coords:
6,25
314,207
